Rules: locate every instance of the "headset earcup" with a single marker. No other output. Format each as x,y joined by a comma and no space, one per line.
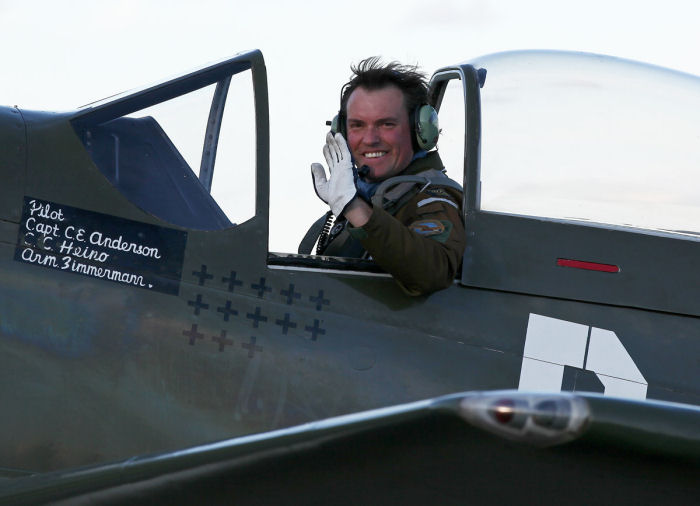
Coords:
334,125
338,124
427,128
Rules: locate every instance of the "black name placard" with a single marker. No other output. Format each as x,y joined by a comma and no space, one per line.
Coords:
100,246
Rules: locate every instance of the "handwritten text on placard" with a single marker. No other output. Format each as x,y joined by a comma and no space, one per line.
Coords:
100,246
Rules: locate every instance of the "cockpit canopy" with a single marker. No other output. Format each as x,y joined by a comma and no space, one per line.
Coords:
578,136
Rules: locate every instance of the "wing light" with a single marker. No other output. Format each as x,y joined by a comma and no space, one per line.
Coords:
588,266
538,419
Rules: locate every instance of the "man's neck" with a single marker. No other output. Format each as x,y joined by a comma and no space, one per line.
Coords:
430,160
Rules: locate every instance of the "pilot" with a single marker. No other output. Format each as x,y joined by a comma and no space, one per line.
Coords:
387,185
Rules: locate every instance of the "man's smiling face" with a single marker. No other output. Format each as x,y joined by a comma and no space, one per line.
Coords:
379,135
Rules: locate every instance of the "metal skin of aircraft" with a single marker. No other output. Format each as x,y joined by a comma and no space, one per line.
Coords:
535,449
137,319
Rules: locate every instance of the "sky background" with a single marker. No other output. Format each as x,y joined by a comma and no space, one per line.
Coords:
59,55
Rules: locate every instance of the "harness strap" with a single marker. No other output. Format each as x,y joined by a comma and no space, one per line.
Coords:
393,193
318,230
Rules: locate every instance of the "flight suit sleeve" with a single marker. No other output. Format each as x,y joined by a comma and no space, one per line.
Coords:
422,247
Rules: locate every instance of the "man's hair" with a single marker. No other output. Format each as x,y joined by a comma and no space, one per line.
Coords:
372,74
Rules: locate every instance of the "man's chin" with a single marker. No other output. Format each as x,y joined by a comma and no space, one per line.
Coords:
375,174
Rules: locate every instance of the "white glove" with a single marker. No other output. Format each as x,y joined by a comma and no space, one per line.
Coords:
340,189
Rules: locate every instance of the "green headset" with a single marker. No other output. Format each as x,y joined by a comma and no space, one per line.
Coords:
424,127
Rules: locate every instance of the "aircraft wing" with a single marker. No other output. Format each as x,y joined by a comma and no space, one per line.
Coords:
475,447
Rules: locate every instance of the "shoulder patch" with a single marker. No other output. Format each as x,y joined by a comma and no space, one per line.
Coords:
427,227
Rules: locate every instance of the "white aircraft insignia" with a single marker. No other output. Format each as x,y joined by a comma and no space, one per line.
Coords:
558,352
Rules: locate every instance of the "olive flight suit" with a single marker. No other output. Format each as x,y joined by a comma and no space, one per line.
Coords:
422,244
